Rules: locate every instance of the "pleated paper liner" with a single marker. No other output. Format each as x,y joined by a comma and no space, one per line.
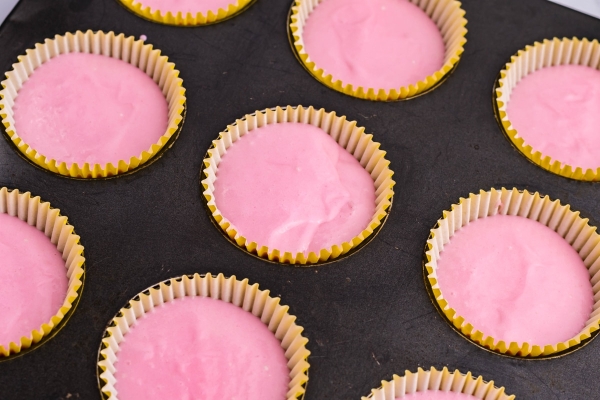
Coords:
237,292
551,213
127,49
447,15
347,134
305,66
443,380
55,226
540,55
187,19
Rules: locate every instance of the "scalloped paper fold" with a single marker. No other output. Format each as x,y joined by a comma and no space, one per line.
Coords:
55,226
237,292
447,15
532,58
434,380
568,224
346,133
127,49
185,19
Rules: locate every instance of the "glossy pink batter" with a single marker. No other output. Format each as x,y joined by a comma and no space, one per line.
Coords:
199,348
516,280
187,6
437,395
381,44
81,108
33,279
291,187
556,110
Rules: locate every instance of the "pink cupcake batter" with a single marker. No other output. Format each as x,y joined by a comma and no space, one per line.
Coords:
199,348
79,108
437,395
516,280
187,6
556,111
380,44
291,187
33,279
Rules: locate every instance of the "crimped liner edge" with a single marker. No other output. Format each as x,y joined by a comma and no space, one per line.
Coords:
346,133
238,292
134,52
534,57
447,15
443,380
186,19
55,226
551,213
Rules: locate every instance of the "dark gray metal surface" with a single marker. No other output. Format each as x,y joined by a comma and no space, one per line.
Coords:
367,316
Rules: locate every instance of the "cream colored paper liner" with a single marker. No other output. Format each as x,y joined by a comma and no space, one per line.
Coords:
237,292
187,19
55,226
447,15
547,54
568,224
443,380
346,134
127,49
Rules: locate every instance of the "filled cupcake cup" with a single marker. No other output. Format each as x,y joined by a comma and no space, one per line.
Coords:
48,220
134,52
347,134
434,380
447,15
231,290
188,18
568,224
534,57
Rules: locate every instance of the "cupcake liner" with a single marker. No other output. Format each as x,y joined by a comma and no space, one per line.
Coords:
532,58
55,226
346,133
568,224
447,15
127,49
443,380
238,292
187,19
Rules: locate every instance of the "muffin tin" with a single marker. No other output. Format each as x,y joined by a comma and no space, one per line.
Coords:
367,316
